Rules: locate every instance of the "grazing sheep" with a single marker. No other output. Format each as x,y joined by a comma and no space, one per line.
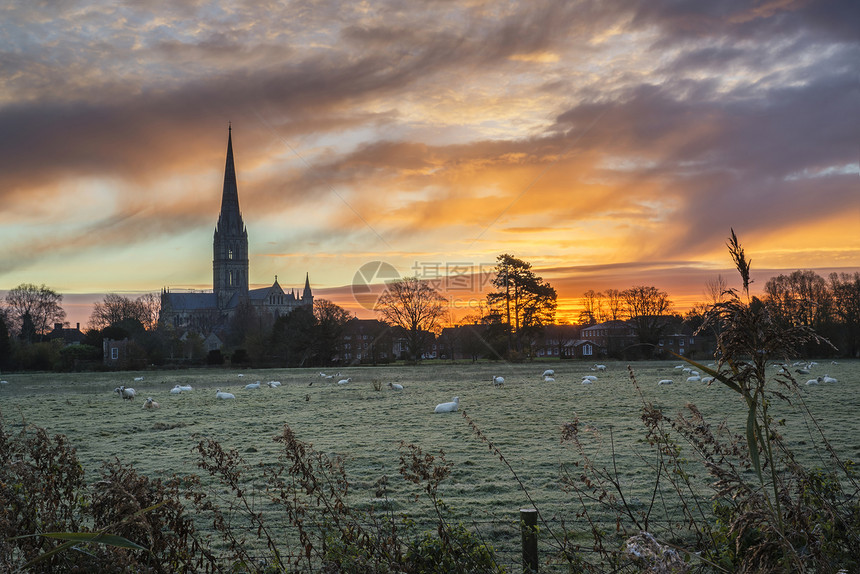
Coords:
345,381
219,394
150,404
665,382
125,392
4,382
707,379
138,378
448,407
395,387
252,386
598,368
694,379
549,373
498,381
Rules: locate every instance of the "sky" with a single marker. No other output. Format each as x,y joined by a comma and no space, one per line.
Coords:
610,144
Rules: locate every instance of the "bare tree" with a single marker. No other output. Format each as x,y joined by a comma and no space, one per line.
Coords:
592,311
647,308
115,309
416,307
33,310
614,304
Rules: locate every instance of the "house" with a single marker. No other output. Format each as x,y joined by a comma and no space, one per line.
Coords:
68,335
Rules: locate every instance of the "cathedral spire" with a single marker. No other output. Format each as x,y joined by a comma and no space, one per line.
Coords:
230,194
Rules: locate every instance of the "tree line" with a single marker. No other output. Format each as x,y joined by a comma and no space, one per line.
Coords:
511,322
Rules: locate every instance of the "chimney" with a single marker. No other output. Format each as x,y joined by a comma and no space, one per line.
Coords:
79,327
58,326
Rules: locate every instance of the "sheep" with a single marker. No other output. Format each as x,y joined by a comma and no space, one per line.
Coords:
4,382
549,379
694,379
813,381
185,388
548,373
138,378
395,387
448,407
498,381
125,392
219,394
587,381
274,384
252,386
590,377
176,390
150,404
345,381
665,382
707,379
598,368
828,379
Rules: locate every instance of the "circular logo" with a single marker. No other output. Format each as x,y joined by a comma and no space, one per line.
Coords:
367,283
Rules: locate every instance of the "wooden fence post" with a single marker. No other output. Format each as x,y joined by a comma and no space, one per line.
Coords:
528,526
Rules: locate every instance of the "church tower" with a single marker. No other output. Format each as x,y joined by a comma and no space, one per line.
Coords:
230,246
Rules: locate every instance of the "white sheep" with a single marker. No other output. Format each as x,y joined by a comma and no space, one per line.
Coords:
395,387
185,388
345,381
694,379
252,386
598,368
591,378
127,393
587,381
448,407
548,373
138,378
813,381
548,379
828,379
665,382
176,390
219,394
498,381
274,384
150,404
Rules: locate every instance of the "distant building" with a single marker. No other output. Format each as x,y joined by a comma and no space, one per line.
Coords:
210,312
70,336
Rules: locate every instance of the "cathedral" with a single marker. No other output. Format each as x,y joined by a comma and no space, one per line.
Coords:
208,313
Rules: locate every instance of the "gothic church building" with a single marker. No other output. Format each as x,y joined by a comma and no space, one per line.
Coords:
207,313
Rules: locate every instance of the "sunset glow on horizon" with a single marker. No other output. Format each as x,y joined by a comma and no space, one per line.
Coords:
608,144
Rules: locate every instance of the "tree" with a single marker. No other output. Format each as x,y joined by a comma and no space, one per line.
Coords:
845,293
647,308
331,320
798,299
5,344
614,304
525,300
416,307
33,310
591,313
116,309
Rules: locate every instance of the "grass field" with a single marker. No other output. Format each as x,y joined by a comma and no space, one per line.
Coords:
365,426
